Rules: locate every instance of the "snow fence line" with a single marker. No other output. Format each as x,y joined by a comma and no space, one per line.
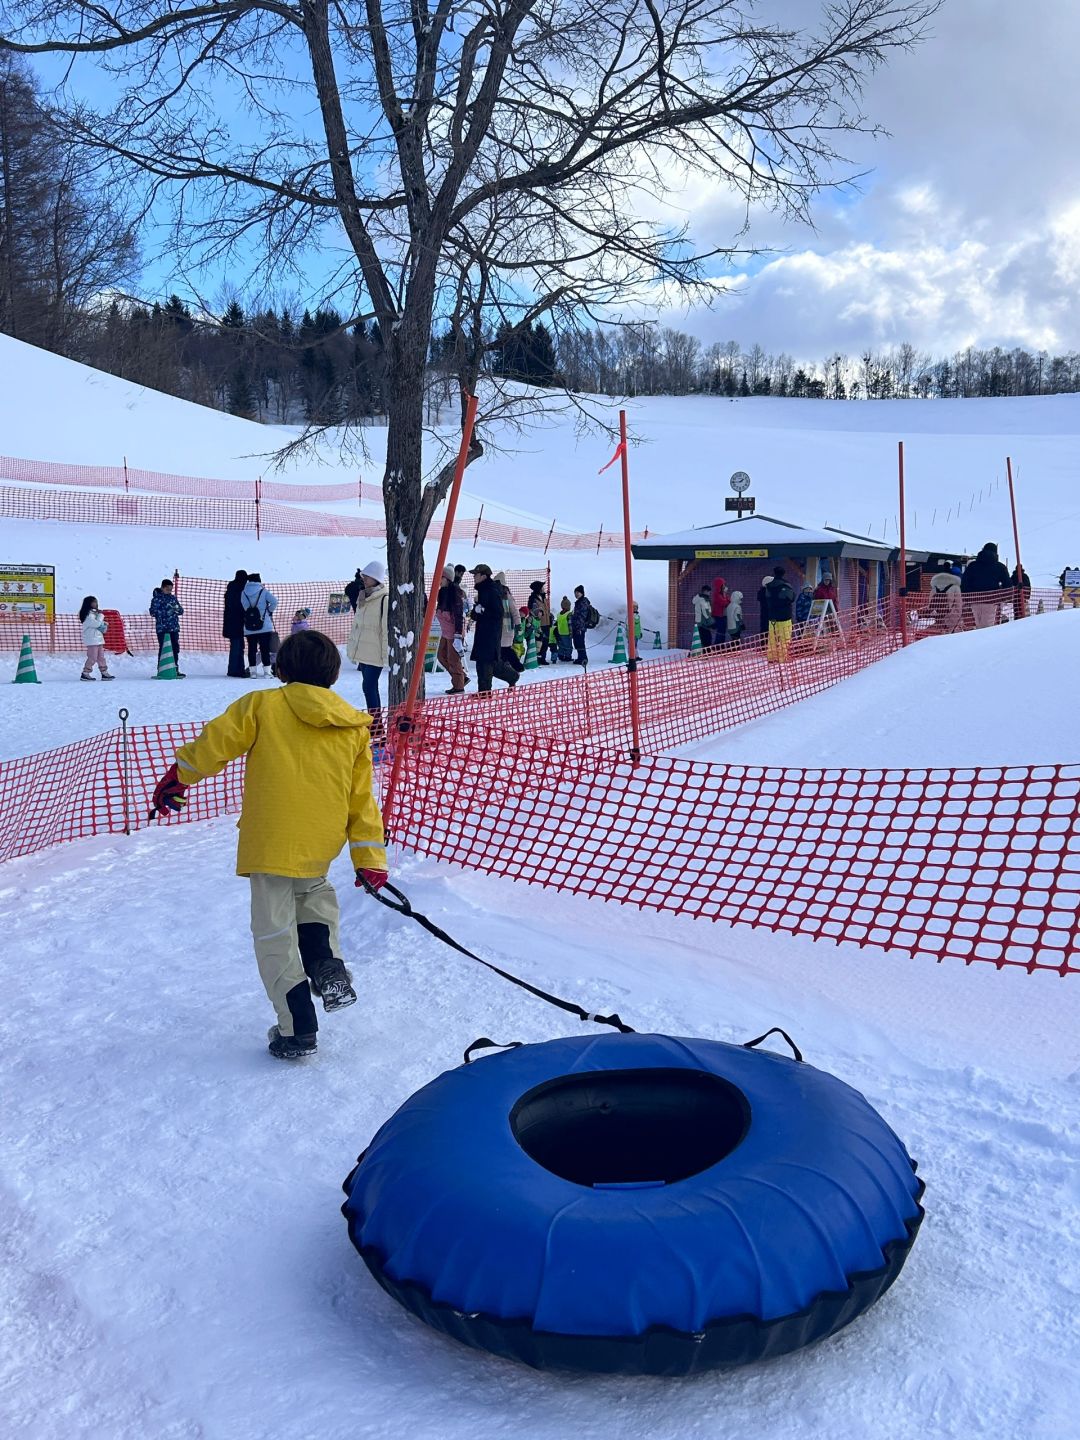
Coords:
979,864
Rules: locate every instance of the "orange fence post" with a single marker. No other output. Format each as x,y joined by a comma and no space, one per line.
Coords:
631,640
405,715
1018,604
903,554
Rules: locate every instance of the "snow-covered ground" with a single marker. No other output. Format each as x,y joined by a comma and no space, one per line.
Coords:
173,1264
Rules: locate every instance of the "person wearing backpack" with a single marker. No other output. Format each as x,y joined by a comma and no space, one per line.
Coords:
259,606
780,604
584,617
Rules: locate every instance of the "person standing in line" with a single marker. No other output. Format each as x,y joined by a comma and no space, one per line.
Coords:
232,625
540,611
488,616
368,646
94,626
580,621
166,610
763,605
946,604
259,606
826,590
509,624
703,616
564,639
781,601
984,580
734,618
803,604
450,614
721,599
1020,580
308,790
353,591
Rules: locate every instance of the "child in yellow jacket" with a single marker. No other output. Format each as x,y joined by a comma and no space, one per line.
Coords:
308,787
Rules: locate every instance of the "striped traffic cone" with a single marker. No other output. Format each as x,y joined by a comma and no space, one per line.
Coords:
618,656
531,662
166,664
26,674
695,643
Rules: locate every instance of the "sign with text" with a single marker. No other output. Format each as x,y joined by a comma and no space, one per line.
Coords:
27,592
740,503
730,554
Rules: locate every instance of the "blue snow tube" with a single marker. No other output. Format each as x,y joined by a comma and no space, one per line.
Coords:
636,1204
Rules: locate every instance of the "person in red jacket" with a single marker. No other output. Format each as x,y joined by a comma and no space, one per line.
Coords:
721,599
826,590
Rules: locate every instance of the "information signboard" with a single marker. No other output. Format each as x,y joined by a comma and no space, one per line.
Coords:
730,554
27,592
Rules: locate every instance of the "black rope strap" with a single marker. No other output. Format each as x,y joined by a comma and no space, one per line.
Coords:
752,1044
401,905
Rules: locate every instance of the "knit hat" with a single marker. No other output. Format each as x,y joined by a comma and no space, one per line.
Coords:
374,570
537,585
500,577
448,574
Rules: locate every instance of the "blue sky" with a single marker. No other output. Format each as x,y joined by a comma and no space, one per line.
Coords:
965,231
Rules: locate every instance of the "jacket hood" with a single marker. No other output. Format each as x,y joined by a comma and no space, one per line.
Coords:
322,708
736,595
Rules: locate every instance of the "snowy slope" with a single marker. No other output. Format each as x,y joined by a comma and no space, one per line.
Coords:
820,462
1003,696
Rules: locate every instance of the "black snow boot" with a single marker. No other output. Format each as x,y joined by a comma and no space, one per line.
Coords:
333,984
290,1047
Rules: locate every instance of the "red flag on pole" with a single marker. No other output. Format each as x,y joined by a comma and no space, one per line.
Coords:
620,451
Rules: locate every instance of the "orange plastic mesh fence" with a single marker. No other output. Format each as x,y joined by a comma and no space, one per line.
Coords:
198,512
978,865
154,482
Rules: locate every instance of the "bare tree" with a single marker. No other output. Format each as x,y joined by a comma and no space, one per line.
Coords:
430,112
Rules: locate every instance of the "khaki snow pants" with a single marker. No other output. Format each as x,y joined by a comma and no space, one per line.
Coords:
278,904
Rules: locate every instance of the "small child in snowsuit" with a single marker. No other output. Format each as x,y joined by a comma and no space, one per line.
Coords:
166,610
300,621
94,626
308,790
563,629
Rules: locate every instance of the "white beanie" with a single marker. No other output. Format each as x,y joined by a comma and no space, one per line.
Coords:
374,570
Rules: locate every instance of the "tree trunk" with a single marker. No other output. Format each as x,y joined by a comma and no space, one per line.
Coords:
405,523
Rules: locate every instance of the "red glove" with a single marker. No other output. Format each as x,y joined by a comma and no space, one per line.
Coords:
375,878
170,793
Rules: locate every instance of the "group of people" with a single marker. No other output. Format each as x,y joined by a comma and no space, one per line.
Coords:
982,585
166,611
718,614
719,618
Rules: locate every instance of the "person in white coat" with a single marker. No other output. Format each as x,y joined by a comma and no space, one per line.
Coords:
94,626
258,605
736,624
367,646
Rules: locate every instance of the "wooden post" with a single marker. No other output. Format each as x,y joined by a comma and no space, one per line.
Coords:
903,554
631,639
405,714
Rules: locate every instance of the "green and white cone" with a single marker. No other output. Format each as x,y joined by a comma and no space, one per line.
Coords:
695,644
166,665
26,674
531,662
618,656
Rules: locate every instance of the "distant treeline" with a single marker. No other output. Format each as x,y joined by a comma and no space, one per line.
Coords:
67,244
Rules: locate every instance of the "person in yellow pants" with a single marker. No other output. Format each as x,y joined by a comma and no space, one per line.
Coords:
780,601
308,788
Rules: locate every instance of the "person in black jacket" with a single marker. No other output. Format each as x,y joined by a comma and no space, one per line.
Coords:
232,625
779,602
353,589
487,633
983,579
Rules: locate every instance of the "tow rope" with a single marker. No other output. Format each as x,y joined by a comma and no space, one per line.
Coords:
401,905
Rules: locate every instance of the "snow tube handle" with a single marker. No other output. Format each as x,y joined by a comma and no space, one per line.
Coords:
485,1044
776,1030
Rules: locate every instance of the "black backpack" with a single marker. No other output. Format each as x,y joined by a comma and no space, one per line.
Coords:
592,618
253,616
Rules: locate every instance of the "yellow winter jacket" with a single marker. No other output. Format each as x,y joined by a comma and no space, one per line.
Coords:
308,785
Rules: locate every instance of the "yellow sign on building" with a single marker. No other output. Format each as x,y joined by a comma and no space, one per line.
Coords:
730,554
27,592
